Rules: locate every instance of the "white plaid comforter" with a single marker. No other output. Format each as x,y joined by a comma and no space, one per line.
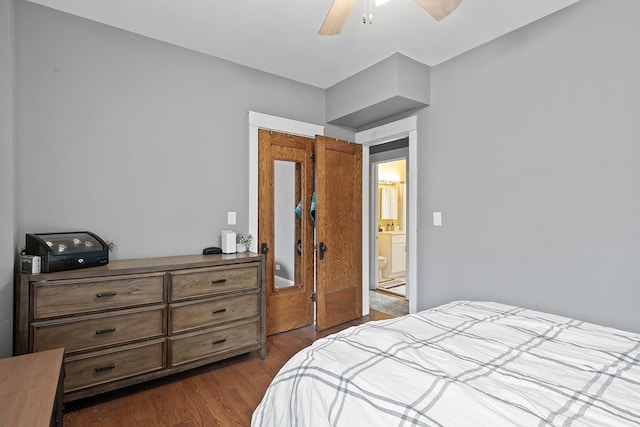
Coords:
465,363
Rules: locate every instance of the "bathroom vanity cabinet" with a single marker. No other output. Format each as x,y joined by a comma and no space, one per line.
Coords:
392,245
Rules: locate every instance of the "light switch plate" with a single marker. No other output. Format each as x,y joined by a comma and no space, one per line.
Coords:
437,218
231,218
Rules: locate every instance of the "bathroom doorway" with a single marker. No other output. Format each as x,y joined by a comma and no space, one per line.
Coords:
388,219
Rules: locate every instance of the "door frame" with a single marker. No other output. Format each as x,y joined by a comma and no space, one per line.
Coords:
278,124
379,135
404,128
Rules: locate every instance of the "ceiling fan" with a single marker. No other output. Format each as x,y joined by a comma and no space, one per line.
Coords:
340,9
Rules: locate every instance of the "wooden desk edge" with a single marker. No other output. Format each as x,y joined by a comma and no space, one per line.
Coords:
33,377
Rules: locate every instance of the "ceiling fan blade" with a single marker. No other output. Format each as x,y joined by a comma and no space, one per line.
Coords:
439,9
336,17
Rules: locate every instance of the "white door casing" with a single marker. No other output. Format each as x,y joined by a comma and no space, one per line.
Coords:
404,128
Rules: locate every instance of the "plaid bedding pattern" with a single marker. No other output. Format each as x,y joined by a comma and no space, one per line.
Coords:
465,363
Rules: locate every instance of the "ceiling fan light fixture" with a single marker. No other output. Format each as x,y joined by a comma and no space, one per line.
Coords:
340,9
336,17
367,14
439,9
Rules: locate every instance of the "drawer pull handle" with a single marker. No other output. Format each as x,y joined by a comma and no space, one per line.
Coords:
219,341
105,331
220,310
215,282
105,368
106,294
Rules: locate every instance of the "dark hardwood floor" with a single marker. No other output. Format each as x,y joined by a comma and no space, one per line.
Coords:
221,394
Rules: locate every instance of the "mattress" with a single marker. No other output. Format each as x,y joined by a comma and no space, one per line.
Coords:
463,363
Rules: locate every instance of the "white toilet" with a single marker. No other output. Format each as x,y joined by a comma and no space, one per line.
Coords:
382,261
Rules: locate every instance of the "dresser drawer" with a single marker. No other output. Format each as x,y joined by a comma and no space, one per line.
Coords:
209,281
91,332
65,297
186,316
194,346
99,368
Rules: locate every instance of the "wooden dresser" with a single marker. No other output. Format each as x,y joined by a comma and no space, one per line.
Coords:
134,320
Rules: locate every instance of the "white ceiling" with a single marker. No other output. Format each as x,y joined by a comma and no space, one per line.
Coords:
281,36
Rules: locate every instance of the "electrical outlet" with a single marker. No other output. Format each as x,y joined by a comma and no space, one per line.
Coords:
277,267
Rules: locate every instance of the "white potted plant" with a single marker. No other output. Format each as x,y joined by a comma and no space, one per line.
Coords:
243,242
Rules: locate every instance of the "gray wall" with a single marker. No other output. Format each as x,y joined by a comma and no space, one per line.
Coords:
142,142
531,149
7,178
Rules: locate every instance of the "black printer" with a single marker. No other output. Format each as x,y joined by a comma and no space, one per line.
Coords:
67,251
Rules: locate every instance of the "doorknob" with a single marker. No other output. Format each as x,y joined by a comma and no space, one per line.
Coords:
322,249
264,248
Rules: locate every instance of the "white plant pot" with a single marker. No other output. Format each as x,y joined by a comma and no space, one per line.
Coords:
241,247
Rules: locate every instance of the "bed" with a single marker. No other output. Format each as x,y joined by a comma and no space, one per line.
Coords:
463,363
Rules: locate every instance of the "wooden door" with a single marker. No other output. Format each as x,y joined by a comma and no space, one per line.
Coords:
338,231
282,231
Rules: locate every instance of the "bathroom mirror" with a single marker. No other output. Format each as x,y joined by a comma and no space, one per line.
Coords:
287,224
388,203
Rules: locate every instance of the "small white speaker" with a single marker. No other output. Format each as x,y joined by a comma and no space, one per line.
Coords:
228,242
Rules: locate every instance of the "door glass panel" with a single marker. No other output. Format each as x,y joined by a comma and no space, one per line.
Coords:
287,223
